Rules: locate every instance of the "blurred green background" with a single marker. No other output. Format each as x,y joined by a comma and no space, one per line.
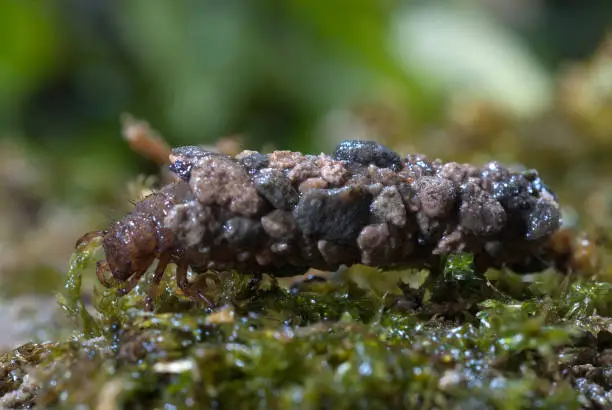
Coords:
468,80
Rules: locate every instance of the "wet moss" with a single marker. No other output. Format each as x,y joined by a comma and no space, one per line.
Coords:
13,365
71,300
456,339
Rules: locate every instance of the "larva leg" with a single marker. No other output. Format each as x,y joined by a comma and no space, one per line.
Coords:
199,285
185,286
198,292
164,258
131,283
102,268
181,277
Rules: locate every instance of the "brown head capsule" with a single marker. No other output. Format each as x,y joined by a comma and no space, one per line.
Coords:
133,243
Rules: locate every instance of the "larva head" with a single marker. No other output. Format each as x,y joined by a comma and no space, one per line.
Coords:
131,245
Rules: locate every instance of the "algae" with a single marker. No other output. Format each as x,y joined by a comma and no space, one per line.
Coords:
497,341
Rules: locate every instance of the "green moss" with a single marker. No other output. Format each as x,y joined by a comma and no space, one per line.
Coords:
13,365
496,341
71,302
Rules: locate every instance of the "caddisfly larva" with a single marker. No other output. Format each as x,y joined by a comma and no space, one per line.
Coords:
285,212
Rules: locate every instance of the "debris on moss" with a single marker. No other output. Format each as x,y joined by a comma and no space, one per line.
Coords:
16,387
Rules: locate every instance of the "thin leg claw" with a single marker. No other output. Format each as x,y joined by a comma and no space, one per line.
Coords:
181,277
164,259
130,284
198,292
187,288
198,289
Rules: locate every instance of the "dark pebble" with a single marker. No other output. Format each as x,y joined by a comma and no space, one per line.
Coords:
335,214
543,220
255,162
276,188
242,232
367,152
